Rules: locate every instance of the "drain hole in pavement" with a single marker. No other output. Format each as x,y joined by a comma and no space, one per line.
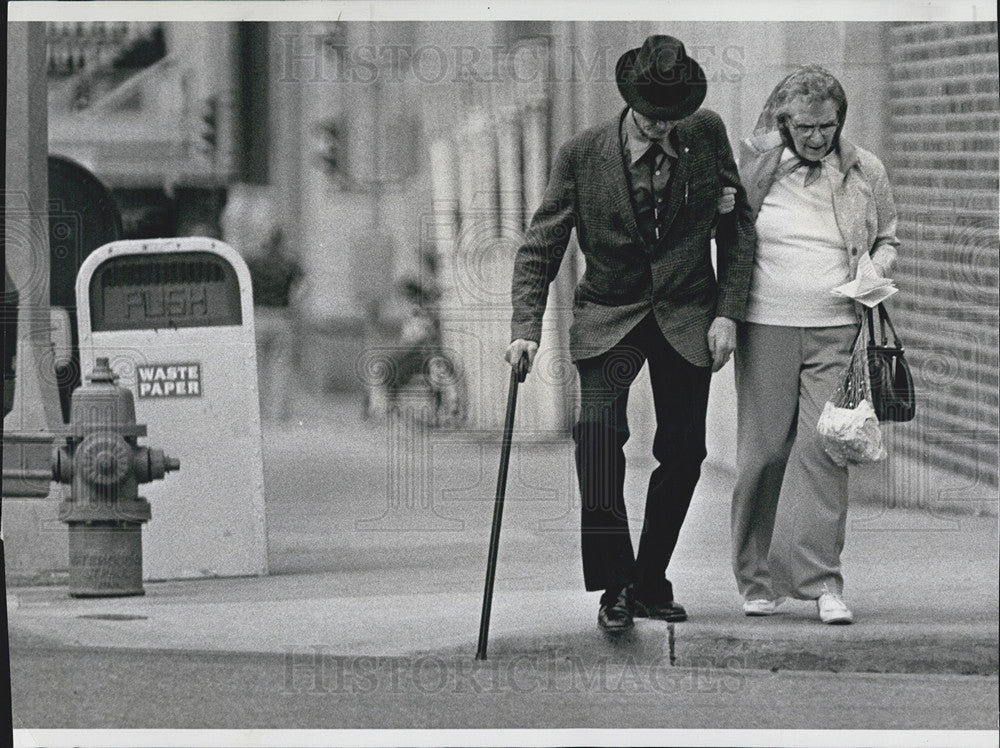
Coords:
112,617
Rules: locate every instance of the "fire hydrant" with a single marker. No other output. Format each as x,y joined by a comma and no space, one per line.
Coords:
101,458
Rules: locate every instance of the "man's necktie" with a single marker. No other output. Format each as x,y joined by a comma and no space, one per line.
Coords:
654,154
654,157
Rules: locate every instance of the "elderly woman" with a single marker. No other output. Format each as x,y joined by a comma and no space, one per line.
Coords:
820,204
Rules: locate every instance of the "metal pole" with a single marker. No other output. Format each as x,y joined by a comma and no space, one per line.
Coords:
517,375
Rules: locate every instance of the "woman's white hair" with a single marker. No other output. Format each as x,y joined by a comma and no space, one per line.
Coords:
811,82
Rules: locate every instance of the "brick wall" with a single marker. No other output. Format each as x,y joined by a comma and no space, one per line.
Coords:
942,156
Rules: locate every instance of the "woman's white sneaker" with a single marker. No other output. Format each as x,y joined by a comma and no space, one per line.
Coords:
761,606
833,610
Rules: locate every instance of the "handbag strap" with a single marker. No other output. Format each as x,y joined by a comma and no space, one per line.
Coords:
884,319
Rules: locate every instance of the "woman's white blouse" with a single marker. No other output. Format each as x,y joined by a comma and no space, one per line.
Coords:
801,254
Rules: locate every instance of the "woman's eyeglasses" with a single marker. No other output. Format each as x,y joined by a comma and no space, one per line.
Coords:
807,130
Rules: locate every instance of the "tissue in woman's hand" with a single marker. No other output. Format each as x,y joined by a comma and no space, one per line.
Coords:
868,287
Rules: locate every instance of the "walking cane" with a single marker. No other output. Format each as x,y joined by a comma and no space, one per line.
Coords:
517,374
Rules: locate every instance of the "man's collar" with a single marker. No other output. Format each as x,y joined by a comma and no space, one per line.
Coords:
637,143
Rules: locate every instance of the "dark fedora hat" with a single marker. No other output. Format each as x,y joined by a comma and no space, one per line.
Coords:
660,81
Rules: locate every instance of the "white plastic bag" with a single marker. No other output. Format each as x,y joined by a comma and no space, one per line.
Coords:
851,436
848,426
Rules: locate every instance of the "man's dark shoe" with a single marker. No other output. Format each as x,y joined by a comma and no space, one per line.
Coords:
666,610
616,610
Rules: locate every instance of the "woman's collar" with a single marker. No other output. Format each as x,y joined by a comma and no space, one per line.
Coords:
848,154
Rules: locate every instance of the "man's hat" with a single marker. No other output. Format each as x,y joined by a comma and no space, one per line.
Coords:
660,81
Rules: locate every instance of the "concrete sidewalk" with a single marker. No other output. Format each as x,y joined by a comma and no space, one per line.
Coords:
377,543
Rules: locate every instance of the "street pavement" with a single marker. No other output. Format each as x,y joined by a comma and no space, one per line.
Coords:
377,534
209,690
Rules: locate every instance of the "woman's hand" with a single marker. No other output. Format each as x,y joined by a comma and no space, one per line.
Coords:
883,263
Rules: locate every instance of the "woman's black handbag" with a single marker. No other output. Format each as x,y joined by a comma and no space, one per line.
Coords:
891,382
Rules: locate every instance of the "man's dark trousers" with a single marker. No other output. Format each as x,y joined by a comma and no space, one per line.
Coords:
680,397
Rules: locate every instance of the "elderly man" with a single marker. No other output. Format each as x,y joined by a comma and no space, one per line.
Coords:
642,192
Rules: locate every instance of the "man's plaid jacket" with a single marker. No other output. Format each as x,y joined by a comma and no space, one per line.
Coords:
626,276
